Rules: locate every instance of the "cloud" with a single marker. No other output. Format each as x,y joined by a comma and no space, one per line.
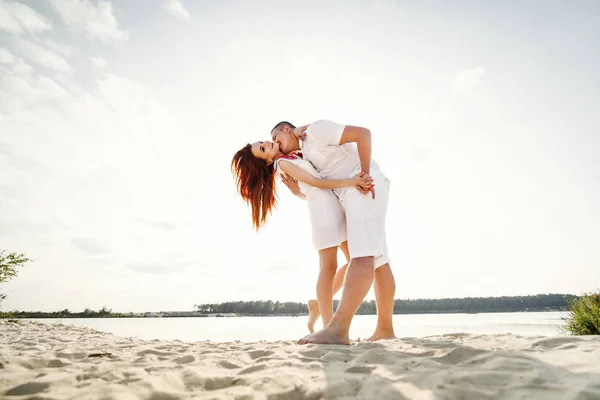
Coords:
19,162
90,246
23,88
419,153
61,49
98,21
6,57
157,224
156,268
123,94
385,3
21,226
98,62
467,79
44,56
16,18
177,9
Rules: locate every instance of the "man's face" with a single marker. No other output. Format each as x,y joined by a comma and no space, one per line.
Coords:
285,137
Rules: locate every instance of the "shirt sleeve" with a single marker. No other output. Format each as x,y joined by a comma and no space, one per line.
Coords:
326,132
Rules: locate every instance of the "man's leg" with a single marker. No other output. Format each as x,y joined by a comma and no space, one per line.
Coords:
385,288
365,220
359,278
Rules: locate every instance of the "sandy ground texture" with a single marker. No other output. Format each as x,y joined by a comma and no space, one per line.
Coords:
39,361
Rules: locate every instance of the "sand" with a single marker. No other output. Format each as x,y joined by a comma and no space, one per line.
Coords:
64,362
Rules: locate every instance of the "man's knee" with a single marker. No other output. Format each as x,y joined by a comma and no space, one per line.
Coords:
363,262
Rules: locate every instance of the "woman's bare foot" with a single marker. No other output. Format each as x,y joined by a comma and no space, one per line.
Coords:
313,314
325,336
383,334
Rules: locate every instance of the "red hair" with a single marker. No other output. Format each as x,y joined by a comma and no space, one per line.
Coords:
255,181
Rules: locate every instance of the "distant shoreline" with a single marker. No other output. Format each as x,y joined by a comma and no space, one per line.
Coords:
193,314
269,308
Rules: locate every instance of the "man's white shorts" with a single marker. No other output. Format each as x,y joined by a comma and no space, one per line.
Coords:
365,219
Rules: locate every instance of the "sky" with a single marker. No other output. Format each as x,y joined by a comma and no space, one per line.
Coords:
118,124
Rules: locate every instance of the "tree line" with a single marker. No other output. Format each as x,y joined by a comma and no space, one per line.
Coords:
540,302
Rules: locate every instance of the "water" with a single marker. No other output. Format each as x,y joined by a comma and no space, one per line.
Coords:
249,329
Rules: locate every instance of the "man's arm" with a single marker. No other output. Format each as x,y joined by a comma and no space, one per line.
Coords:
362,138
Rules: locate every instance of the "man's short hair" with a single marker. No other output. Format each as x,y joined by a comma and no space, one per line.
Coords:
282,124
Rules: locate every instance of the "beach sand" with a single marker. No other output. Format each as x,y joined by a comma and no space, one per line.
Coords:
64,362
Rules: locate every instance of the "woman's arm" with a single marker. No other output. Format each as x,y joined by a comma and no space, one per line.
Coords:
303,176
292,184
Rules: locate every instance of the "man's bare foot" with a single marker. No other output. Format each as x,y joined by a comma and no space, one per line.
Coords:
384,334
325,336
313,314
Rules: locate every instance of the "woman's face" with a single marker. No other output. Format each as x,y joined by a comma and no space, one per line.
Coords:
267,151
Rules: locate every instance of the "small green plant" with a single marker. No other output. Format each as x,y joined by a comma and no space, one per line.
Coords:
9,263
584,316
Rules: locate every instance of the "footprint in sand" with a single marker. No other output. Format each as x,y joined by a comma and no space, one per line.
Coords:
316,353
154,352
71,356
381,356
360,369
28,388
460,355
56,363
228,364
260,353
554,342
254,368
185,359
192,380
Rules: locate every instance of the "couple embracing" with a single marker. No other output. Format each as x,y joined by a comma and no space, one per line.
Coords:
347,197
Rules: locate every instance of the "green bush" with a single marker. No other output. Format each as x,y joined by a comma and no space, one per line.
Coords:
584,317
9,263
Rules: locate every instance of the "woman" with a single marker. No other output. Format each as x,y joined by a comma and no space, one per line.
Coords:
255,167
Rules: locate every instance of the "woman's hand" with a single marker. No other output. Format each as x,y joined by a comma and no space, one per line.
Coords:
292,185
365,184
362,180
299,131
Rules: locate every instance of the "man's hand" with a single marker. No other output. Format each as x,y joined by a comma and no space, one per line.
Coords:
366,185
292,184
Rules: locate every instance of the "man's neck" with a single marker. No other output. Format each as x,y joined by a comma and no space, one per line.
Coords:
296,144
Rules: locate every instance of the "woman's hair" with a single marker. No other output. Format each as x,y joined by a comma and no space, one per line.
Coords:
255,181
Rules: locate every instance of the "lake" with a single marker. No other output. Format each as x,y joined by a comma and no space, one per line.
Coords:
249,329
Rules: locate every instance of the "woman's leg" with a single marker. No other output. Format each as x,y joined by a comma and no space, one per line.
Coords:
313,314
328,226
327,272
338,281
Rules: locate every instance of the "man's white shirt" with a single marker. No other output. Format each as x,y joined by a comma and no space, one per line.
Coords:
322,148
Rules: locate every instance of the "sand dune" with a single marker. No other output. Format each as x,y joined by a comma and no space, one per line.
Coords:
65,362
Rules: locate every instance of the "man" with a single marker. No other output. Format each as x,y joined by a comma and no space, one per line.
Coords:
338,152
